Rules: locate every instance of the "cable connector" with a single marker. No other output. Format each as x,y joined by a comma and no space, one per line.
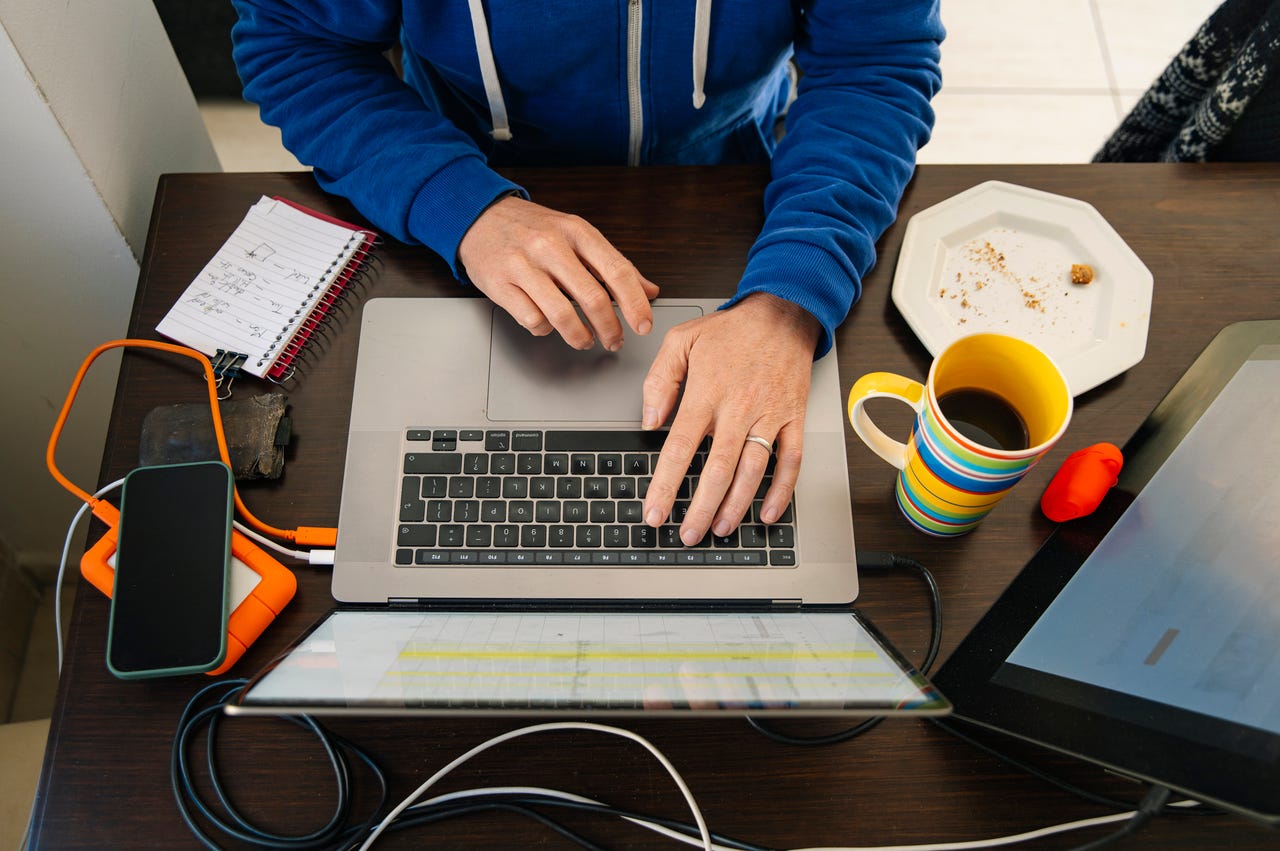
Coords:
876,560
316,536
320,558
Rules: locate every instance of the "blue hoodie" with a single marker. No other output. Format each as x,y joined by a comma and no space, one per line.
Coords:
580,82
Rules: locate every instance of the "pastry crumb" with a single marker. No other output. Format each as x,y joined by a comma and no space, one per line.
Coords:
1081,273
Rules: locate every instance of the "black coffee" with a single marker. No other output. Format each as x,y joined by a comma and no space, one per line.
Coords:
985,418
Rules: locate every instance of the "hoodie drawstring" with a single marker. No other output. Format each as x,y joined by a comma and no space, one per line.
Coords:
493,89
489,73
701,36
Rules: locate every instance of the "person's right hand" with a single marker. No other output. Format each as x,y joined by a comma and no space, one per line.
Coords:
536,263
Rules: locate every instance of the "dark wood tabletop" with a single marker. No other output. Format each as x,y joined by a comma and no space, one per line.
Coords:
1210,235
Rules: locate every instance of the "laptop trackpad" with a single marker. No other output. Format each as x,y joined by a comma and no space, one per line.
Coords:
543,379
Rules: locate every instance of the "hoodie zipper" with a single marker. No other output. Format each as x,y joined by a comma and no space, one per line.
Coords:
634,19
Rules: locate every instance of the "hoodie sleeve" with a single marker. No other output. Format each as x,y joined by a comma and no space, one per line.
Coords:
868,72
317,70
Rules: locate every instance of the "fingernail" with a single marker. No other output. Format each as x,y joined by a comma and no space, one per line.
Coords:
649,418
654,517
722,528
690,537
613,347
768,514
644,327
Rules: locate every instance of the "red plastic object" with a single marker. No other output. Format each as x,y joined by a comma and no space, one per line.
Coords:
1081,482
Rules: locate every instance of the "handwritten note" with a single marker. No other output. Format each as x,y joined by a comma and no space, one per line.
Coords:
262,285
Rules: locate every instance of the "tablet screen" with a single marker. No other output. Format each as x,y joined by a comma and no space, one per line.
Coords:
406,661
1146,637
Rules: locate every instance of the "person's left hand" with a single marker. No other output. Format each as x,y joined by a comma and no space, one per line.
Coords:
745,371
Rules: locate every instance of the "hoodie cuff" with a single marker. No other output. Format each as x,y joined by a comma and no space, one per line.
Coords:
450,202
805,275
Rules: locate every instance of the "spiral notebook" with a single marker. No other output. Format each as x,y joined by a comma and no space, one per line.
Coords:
271,287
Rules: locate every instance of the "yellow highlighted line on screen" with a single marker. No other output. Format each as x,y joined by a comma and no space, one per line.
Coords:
632,654
755,675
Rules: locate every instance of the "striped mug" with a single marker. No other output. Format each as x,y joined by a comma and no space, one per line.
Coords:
990,408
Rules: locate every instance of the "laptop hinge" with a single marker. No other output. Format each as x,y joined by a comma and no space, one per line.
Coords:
787,604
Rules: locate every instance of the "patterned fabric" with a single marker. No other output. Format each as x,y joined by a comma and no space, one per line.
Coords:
1200,98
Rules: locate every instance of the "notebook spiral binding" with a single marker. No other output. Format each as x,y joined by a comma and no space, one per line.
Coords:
326,304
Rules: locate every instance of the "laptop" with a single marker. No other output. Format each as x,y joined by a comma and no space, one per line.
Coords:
491,554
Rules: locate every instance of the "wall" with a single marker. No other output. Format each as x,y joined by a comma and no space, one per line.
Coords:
93,108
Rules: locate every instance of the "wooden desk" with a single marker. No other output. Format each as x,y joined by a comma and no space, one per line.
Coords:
1210,235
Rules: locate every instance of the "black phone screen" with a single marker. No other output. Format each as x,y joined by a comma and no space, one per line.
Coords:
168,610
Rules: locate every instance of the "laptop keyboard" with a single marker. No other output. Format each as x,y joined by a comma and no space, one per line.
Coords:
548,497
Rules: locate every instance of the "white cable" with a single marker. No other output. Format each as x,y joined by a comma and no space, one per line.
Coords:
707,844
270,544
689,840
62,566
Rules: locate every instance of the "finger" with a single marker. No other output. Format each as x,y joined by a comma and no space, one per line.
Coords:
673,463
558,309
786,470
516,302
631,290
662,383
752,465
713,482
592,299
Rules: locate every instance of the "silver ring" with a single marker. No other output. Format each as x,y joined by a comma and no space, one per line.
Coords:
755,438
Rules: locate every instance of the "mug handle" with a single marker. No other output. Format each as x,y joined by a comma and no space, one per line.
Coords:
882,385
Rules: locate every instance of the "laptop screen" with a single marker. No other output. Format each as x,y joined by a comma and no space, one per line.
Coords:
620,662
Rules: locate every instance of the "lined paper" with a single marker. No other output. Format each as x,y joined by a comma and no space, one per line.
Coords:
265,280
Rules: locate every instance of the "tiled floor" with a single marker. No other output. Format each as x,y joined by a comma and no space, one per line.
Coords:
1024,82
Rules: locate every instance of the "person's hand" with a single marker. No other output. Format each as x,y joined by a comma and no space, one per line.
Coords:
745,371
535,263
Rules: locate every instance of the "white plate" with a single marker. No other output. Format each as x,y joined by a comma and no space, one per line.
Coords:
998,257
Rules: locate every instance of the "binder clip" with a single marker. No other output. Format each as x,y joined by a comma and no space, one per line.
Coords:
1081,482
226,366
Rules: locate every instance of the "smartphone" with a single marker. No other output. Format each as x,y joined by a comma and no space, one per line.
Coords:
169,598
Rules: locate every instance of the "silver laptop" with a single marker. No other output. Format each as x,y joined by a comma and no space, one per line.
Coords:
489,526
484,463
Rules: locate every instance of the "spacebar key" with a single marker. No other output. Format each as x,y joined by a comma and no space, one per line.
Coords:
605,441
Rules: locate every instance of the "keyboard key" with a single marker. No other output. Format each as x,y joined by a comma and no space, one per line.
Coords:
515,487
595,487
754,535
520,511
749,558
452,535
432,462
493,511
582,465
470,435
575,511
587,536
555,464
604,441
462,487
464,557
418,434
489,487
643,537
493,557
782,537
502,464
548,557
475,463
497,441
444,446
430,557
631,511
526,441
782,558
560,536
416,535
435,486
444,434
616,537
542,487
569,487
622,487
546,511
603,511
506,535
729,541
609,465
533,536
439,510
529,464
636,465
404,556
479,535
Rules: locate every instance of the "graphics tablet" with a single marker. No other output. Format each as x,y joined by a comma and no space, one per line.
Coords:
1146,637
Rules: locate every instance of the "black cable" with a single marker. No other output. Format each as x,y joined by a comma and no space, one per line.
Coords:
234,825
462,808
1065,785
873,561
1152,803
